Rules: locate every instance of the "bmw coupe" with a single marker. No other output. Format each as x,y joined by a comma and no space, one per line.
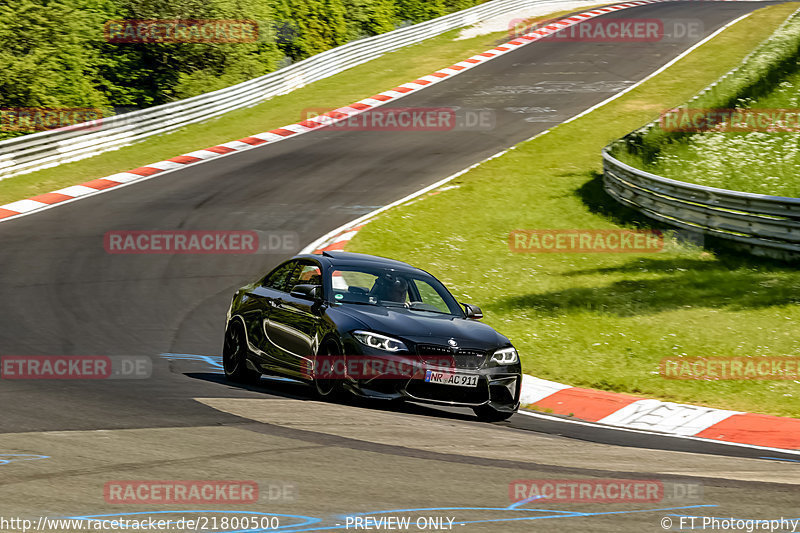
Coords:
374,327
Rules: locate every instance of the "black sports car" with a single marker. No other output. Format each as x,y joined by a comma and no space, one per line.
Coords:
374,327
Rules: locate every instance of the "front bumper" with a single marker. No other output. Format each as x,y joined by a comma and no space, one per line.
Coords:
500,390
498,386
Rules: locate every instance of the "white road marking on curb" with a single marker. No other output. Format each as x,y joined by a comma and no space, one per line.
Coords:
237,145
24,206
161,165
679,419
77,191
126,177
535,389
552,418
202,154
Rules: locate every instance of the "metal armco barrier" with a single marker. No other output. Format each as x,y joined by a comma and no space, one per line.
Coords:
50,148
765,225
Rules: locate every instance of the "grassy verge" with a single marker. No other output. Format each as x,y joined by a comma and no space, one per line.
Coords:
604,320
344,88
759,162
764,162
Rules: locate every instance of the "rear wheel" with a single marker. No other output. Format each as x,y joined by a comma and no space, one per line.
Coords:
486,413
326,383
234,356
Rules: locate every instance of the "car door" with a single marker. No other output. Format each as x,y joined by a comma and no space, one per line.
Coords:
260,301
293,323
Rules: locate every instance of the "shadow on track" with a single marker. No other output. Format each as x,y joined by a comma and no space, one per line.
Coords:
297,390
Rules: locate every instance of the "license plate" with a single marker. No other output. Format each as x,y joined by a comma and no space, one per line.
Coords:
446,378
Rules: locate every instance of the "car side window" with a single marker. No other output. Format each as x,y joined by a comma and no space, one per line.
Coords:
278,278
429,297
306,274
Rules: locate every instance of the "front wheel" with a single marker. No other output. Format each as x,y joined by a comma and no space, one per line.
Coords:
326,383
234,356
486,413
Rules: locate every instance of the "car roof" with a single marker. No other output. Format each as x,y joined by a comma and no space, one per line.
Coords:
338,258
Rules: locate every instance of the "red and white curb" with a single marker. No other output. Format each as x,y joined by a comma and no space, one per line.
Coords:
97,186
623,410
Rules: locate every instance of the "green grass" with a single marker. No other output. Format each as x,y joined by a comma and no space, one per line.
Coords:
341,89
758,162
604,320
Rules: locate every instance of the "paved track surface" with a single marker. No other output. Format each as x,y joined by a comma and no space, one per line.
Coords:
61,294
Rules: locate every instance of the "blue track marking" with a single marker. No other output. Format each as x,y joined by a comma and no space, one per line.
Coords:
523,502
7,458
214,362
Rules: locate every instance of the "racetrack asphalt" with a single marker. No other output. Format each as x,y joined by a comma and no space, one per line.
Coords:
62,294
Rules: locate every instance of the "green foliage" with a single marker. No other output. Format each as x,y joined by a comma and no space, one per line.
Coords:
458,5
313,26
369,17
420,10
50,52
144,74
55,53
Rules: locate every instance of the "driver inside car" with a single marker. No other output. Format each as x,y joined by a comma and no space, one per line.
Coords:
392,289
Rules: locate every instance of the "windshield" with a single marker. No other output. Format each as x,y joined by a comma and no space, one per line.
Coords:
387,287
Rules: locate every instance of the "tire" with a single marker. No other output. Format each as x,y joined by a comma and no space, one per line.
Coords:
328,388
486,413
234,356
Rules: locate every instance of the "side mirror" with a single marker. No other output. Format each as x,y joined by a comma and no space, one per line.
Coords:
307,292
473,311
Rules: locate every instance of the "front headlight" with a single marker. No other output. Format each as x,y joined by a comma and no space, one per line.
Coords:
505,356
378,341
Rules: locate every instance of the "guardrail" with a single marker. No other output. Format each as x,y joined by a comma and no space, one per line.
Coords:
50,148
765,225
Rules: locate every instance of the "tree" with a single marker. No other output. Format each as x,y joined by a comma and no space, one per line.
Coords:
50,54
310,26
369,17
420,10
151,73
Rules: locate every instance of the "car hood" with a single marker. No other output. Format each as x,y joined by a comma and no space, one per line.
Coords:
424,327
